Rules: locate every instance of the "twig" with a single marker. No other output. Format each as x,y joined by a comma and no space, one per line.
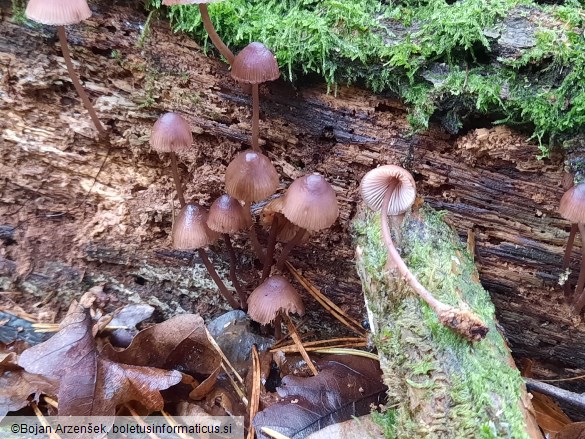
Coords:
571,398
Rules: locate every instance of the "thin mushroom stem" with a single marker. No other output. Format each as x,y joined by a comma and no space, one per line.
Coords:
288,248
268,260
465,323
567,257
278,327
222,288
255,118
252,232
177,179
579,289
77,84
215,38
233,271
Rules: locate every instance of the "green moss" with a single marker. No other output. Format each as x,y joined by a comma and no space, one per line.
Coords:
475,392
434,54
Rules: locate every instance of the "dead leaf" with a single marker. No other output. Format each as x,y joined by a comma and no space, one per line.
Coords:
346,386
88,383
125,320
13,328
549,416
179,343
576,430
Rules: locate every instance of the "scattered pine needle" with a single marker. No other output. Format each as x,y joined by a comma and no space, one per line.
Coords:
220,352
43,420
174,423
329,306
51,402
295,336
139,420
273,433
293,348
345,351
255,395
578,377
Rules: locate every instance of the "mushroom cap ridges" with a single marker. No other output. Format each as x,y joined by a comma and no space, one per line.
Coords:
273,295
226,215
190,230
188,2
389,177
310,202
171,133
58,12
255,64
251,176
572,206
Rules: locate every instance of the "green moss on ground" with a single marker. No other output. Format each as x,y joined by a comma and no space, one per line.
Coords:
435,55
440,385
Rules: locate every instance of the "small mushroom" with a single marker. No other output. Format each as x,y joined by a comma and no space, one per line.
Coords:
253,65
572,208
273,296
309,203
61,13
171,133
251,177
190,232
392,190
215,38
227,216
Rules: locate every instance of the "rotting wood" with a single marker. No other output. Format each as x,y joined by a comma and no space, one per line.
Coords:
488,181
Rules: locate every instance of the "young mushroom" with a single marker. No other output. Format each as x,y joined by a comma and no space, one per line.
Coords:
171,133
215,38
251,177
190,232
61,13
391,190
572,208
253,65
227,216
309,203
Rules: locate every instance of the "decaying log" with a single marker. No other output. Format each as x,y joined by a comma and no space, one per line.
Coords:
440,385
489,181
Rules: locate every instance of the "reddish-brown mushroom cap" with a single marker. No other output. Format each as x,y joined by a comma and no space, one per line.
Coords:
58,12
572,206
274,295
310,203
255,64
389,177
226,215
251,176
190,230
171,133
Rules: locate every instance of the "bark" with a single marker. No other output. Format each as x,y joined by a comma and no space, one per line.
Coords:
489,182
437,379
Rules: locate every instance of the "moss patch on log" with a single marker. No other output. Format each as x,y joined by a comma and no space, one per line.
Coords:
515,61
440,385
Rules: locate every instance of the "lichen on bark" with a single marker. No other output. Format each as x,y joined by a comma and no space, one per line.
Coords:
440,385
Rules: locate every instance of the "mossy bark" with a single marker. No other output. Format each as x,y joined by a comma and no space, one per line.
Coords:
440,385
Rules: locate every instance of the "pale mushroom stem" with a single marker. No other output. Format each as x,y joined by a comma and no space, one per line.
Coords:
215,38
222,288
77,84
177,179
465,323
255,118
252,232
233,271
288,248
567,257
270,248
579,297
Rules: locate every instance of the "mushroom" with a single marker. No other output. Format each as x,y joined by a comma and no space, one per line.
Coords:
273,296
572,208
61,13
309,203
171,133
190,232
215,38
392,190
253,65
251,177
227,216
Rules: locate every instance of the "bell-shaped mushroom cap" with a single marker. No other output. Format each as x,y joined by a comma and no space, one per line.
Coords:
572,206
171,133
286,229
226,215
384,178
274,295
310,203
188,2
190,230
58,12
255,64
251,176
